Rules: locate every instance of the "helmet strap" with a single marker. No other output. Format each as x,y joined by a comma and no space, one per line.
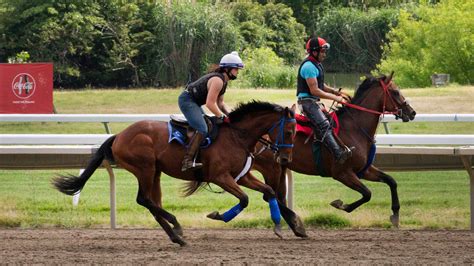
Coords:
315,58
229,74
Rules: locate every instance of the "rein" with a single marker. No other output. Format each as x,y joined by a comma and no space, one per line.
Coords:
386,93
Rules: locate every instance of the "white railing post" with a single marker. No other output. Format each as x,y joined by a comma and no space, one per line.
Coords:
290,188
113,208
75,198
466,160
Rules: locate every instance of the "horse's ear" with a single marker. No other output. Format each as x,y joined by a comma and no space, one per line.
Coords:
389,78
289,111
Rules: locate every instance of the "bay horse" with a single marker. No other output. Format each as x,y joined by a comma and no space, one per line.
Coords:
358,124
143,149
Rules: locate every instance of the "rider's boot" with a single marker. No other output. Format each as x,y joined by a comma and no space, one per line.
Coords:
341,154
188,161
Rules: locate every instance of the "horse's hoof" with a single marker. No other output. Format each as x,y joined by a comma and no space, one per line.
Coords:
178,230
338,204
215,216
179,241
395,221
299,229
277,231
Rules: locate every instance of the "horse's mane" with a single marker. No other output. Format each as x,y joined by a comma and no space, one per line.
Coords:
244,109
361,91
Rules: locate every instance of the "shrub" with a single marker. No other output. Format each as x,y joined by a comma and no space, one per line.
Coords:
432,39
263,68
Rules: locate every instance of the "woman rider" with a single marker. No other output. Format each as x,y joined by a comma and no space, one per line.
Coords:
208,90
311,88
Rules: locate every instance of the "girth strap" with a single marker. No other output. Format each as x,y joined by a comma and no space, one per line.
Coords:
246,169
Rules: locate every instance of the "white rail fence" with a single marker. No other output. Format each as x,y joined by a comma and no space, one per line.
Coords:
54,151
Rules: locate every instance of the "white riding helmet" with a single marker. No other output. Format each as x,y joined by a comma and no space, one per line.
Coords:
231,60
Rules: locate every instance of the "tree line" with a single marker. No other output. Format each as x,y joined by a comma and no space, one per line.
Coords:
162,43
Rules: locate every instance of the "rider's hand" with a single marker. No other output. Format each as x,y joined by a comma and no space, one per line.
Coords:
346,96
222,119
342,99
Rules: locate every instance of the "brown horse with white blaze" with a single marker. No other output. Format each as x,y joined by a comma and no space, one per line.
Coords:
358,124
144,150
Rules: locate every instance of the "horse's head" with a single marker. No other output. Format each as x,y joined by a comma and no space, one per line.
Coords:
256,119
282,134
382,96
394,101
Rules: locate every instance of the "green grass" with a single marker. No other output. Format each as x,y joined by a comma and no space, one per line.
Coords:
428,200
152,101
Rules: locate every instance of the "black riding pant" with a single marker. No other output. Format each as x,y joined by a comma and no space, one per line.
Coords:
313,112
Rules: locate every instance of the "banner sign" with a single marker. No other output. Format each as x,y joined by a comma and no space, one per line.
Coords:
26,88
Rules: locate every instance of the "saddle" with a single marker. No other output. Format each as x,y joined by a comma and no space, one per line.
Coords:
304,125
180,131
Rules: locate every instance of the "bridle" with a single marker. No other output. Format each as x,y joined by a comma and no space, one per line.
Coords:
280,141
386,88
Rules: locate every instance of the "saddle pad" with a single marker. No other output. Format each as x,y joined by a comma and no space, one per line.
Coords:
370,160
304,125
318,159
178,134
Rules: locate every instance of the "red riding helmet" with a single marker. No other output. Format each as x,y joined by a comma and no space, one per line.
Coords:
316,44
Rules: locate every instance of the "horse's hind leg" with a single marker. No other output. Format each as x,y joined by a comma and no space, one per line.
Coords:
157,212
145,174
374,174
351,180
156,198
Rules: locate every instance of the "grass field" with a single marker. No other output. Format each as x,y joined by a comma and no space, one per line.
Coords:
428,199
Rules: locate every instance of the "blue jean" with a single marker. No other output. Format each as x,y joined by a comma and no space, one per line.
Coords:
193,112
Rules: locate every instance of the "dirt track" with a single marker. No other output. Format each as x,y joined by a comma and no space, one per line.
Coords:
244,246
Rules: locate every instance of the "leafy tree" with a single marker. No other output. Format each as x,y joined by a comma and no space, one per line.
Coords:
286,35
62,31
270,25
356,37
432,39
187,38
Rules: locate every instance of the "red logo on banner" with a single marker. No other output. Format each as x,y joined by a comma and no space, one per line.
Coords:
23,85
26,88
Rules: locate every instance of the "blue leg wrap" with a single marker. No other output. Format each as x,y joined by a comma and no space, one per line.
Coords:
230,214
274,210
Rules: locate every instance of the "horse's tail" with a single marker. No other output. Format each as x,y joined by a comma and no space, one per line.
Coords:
191,187
71,184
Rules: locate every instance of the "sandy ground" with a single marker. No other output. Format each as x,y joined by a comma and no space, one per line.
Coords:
243,246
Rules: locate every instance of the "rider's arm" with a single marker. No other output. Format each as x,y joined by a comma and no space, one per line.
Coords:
214,87
222,106
331,90
313,87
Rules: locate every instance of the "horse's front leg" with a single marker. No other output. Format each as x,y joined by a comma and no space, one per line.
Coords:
351,180
374,174
252,182
227,183
275,176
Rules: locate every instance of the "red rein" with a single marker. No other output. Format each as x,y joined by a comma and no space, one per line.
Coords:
386,93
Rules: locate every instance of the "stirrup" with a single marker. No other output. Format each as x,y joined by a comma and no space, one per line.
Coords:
190,165
346,154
